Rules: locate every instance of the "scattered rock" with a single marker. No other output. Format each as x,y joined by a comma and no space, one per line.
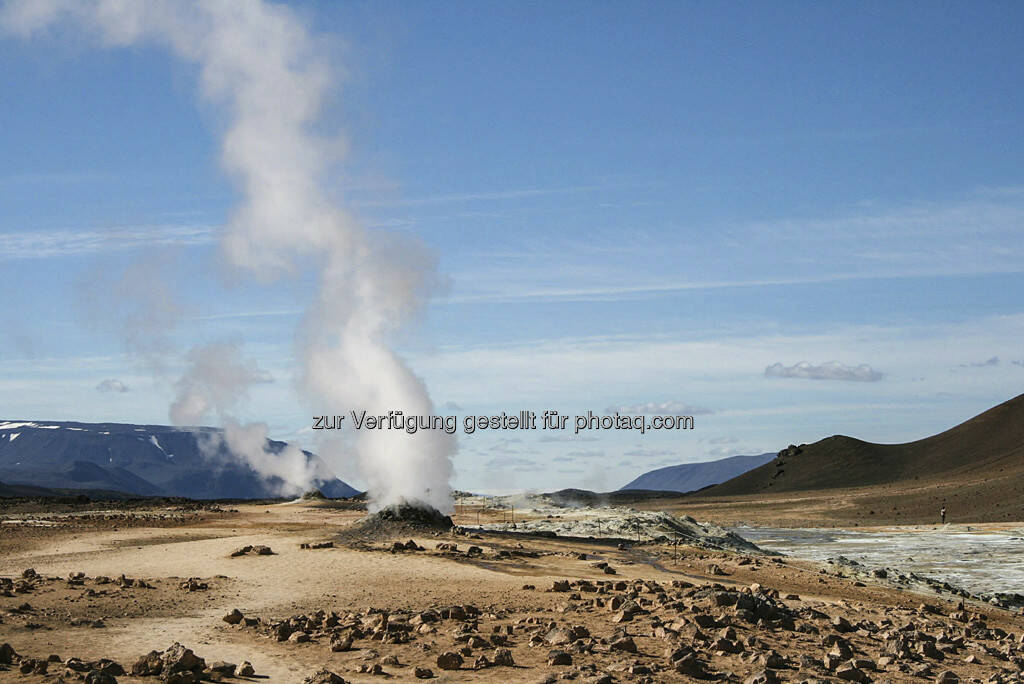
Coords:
762,677
252,551
99,677
625,644
449,661
323,676
223,668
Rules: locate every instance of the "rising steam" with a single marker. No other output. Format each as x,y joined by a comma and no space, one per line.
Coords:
259,63
215,380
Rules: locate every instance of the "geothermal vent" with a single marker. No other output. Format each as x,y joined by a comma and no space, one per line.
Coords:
417,515
400,519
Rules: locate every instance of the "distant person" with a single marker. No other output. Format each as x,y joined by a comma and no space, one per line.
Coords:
942,513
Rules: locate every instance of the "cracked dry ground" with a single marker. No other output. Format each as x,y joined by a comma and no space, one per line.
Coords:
526,610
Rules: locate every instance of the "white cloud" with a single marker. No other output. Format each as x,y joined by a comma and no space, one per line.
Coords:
112,385
832,370
722,452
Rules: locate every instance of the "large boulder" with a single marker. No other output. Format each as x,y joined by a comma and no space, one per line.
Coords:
178,660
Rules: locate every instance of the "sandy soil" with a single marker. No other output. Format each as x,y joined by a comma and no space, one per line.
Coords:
695,621
901,504
969,499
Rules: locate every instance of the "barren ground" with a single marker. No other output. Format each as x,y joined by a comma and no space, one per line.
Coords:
656,619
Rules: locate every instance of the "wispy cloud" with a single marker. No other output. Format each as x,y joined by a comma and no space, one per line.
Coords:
664,408
458,198
513,463
565,437
502,447
987,363
248,314
45,244
592,453
976,235
832,370
642,452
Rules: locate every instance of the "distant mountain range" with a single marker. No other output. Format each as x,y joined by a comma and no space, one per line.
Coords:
146,460
689,477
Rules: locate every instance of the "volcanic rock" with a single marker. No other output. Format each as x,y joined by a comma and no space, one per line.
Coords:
625,644
147,665
176,662
222,667
323,676
449,661
417,515
99,677
762,677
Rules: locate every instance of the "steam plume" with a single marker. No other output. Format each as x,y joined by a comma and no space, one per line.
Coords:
258,63
215,380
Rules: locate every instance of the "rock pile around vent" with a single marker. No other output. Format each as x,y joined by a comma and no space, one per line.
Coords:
405,519
415,514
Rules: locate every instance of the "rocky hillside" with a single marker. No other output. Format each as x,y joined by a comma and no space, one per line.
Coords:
689,477
148,460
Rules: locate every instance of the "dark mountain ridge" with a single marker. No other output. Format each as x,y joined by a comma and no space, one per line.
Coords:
988,447
146,460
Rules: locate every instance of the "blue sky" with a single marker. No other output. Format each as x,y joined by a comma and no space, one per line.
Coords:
629,203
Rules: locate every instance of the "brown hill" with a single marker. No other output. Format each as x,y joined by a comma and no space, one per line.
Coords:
979,462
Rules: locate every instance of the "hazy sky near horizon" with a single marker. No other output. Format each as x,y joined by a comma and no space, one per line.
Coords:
796,219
